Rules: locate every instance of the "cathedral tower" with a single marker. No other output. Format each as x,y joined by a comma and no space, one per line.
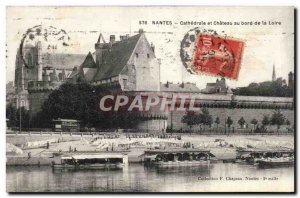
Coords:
39,65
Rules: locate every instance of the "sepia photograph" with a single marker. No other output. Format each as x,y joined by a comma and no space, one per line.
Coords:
150,99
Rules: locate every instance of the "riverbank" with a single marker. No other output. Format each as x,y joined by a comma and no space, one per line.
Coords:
223,147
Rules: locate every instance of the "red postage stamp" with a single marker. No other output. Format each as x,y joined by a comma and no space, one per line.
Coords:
218,56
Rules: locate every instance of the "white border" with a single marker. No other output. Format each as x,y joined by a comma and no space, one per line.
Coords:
113,3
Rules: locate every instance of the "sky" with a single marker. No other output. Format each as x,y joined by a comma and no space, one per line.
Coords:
265,45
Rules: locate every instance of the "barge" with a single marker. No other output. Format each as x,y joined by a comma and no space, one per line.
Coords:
91,160
266,157
177,157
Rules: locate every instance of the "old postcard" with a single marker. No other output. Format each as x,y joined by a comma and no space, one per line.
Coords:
150,99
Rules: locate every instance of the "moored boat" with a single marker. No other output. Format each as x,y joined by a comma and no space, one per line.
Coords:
91,160
177,157
266,157
272,163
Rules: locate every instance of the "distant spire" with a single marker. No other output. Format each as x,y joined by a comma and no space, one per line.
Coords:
274,74
100,38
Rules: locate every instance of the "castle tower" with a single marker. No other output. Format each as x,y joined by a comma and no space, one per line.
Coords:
19,78
39,66
100,48
273,74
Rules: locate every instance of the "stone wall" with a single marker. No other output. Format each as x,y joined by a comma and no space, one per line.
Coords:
36,100
147,67
152,126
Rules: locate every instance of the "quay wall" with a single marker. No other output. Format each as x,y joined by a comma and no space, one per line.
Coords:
24,161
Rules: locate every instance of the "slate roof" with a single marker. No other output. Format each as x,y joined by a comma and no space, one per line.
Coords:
74,73
89,62
89,73
116,59
87,69
211,84
60,61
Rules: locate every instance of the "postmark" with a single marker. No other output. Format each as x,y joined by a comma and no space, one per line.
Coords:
206,52
54,40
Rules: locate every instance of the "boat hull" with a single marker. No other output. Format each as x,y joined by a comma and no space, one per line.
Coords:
179,163
88,167
274,164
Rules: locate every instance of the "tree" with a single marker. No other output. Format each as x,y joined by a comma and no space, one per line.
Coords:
77,101
11,115
241,122
24,118
189,118
229,122
254,122
72,101
277,119
288,123
265,121
217,121
277,88
41,120
206,118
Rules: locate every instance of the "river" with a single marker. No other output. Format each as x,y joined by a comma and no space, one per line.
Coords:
137,178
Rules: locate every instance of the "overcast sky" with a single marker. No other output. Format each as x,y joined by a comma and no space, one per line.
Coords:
265,45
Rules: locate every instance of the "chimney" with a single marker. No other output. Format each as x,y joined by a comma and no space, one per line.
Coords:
167,84
122,38
112,39
141,31
182,85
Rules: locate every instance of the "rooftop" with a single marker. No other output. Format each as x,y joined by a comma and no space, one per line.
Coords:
116,59
60,60
179,87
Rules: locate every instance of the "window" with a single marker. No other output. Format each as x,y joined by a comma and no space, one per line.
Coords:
148,55
29,59
125,82
136,55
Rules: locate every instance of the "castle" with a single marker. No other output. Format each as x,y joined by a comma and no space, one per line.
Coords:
130,66
44,70
219,87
